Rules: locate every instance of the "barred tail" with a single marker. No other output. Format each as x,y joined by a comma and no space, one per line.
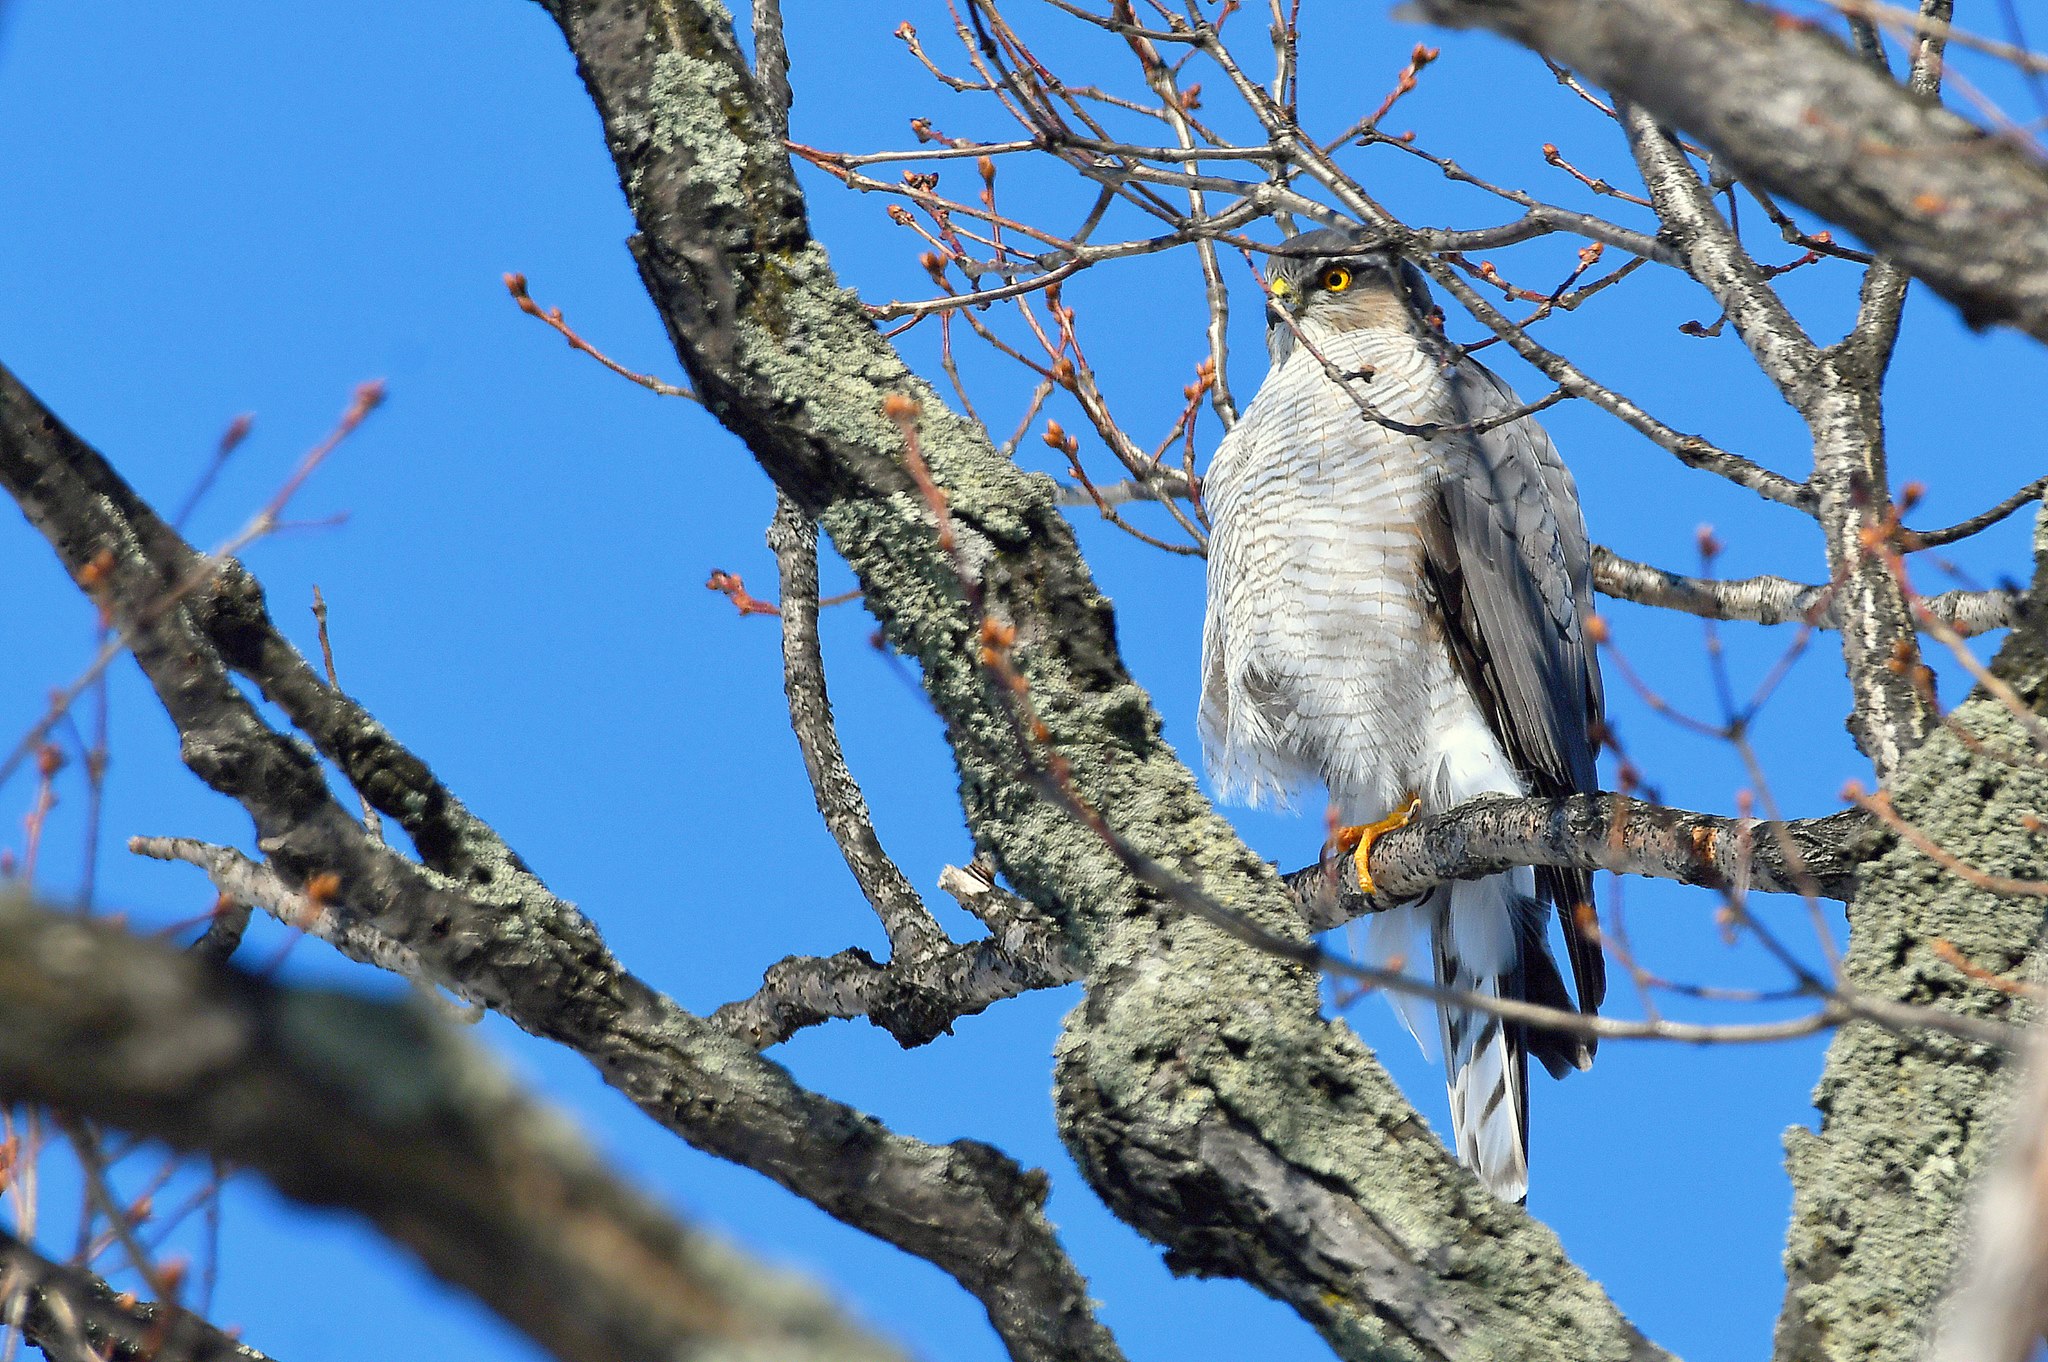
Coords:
1484,937
1486,1065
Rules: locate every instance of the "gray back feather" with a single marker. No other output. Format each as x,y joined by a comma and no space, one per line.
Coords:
1506,556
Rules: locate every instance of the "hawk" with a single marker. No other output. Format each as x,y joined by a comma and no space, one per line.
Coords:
1398,586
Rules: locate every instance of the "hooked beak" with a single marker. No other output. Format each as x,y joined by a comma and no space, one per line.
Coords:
1285,298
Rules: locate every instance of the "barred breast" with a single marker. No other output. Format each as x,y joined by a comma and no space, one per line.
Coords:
1318,663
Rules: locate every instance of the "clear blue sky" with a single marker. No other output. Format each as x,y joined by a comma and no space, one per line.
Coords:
253,207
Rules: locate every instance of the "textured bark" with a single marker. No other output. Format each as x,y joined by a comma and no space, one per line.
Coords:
1816,856
909,924
1999,1310
1838,393
374,1107
1892,713
74,1316
479,922
1793,110
1907,1120
1200,1088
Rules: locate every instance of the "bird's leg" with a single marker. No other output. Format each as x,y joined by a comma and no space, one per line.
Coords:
1358,840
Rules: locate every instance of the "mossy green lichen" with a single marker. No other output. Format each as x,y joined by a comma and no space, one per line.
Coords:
1907,1120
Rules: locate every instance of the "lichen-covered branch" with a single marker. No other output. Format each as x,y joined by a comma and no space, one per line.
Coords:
1795,111
1908,1121
1999,1311
912,930
1814,856
1201,1090
914,1001
481,924
372,1107
1775,600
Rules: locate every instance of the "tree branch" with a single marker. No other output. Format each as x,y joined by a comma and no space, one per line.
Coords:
1976,524
482,925
1796,112
368,1106
1999,1311
915,1001
1837,394
1816,856
1715,257
913,932
1775,600
1907,1121
74,1316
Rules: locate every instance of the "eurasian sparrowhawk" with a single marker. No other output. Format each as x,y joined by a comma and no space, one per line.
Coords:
1399,580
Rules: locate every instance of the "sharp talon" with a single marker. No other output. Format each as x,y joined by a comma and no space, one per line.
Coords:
1358,840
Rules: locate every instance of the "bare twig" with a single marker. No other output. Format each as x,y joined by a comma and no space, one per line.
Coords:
1912,540
515,284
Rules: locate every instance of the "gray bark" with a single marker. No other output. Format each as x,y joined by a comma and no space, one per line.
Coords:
73,1316
1200,1089
1838,393
472,917
1908,1120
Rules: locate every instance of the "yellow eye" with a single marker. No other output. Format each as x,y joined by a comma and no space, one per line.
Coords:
1335,279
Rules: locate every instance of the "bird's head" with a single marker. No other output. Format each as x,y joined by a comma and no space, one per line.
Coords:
1335,281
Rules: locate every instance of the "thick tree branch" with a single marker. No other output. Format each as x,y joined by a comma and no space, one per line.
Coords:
1199,1086
341,1101
1801,115
1907,1121
1838,395
74,1316
1815,856
482,925
1999,1312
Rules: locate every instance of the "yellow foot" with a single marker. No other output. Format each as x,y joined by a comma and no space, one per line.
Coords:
1358,840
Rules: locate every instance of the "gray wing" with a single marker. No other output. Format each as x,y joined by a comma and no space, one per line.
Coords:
1507,564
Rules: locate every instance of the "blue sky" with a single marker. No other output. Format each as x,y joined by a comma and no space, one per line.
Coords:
247,207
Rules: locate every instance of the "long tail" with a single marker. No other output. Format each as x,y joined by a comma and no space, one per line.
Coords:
1477,943
1484,937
